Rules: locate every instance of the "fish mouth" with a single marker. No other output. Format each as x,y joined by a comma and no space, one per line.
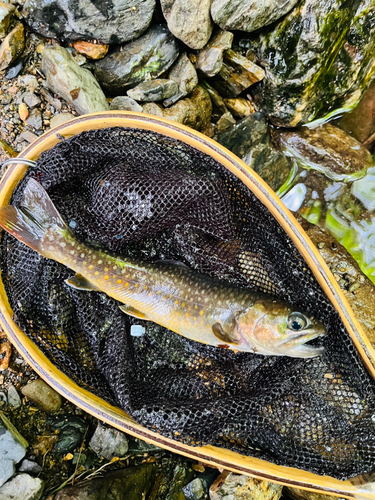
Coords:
295,344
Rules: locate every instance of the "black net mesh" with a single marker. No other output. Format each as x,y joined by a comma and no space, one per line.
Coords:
149,197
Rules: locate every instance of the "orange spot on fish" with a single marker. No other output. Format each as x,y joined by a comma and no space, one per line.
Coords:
106,277
136,285
126,284
119,281
96,273
224,346
183,304
201,312
90,267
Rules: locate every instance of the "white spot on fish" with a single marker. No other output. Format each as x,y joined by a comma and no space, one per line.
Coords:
72,252
52,248
100,261
82,255
63,244
73,243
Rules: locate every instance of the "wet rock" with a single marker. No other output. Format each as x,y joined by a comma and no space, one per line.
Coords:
34,119
218,104
239,107
327,149
31,100
22,487
12,448
236,74
271,165
75,84
12,46
125,103
15,69
132,483
146,58
210,59
319,58
42,395
230,486
6,13
198,489
71,431
361,297
29,466
224,122
114,23
108,442
360,123
181,477
61,118
185,75
248,15
246,134
189,21
91,50
154,90
194,111
14,399
298,494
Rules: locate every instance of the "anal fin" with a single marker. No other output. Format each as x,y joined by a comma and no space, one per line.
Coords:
133,312
79,282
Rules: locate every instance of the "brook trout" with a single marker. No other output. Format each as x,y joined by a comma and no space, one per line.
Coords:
191,304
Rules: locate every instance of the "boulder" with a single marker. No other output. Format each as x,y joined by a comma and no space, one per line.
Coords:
112,22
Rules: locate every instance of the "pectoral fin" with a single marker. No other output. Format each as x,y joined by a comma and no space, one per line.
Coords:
81,283
133,312
220,333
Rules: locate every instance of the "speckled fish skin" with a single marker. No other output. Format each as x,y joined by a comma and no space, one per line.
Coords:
191,304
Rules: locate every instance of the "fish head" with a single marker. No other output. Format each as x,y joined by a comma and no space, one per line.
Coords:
273,327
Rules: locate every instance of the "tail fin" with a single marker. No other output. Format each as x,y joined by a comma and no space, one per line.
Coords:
34,218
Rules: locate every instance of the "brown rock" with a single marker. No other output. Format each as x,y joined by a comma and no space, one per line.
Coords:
6,13
239,107
91,50
12,46
5,351
230,486
326,149
361,121
195,111
23,111
42,395
360,291
224,122
236,74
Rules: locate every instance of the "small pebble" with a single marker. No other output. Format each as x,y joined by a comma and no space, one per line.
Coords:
14,399
23,111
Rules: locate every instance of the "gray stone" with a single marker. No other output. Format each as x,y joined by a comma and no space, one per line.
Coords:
22,487
189,21
12,445
31,100
326,149
195,490
61,118
6,13
108,442
75,84
230,486
210,59
35,119
12,46
236,74
14,399
7,469
154,90
248,15
125,103
27,136
181,477
146,58
71,431
114,22
132,483
29,466
28,81
42,395
247,133
184,74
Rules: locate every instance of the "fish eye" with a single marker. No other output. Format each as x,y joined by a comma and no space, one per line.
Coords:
297,321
